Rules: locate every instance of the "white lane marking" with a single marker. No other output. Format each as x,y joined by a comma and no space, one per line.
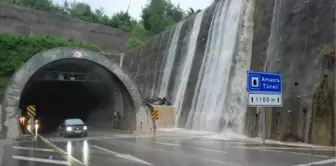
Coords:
295,148
107,137
278,151
179,154
124,156
169,144
34,149
46,141
319,162
210,150
59,162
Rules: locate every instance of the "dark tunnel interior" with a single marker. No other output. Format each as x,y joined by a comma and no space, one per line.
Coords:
77,88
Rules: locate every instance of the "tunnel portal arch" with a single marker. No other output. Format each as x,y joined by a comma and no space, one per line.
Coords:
10,108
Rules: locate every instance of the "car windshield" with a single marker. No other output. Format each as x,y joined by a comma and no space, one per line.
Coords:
74,122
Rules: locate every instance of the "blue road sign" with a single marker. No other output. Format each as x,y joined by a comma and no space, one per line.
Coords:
262,82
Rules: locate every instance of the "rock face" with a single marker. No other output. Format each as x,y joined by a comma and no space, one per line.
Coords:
288,38
18,20
297,33
147,63
197,64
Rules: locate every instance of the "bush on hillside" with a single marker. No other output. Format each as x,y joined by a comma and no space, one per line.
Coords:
329,53
17,49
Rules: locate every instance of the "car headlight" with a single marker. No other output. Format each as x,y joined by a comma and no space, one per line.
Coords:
85,128
68,129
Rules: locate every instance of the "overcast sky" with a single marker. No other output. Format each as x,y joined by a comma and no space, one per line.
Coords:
113,6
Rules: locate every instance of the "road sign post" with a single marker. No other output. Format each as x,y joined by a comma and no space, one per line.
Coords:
155,116
264,90
31,112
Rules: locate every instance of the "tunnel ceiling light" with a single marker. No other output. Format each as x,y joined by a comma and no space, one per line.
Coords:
72,76
61,76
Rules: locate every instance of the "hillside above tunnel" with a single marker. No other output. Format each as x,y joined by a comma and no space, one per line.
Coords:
27,21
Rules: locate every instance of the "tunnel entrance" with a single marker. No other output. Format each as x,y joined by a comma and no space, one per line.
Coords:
71,83
74,88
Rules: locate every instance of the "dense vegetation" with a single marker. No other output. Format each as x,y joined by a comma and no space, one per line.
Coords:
329,55
16,50
323,100
157,16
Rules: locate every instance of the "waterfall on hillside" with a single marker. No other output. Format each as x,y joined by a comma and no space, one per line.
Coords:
233,118
187,64
169,62
212,89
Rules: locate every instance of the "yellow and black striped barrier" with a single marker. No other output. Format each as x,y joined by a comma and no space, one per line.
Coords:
155,114
31,111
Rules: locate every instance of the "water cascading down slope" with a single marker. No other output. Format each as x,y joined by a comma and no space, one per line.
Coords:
185,68
169,62
213,105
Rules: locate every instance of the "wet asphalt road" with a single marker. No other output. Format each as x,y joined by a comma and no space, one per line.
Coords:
122,149
29,151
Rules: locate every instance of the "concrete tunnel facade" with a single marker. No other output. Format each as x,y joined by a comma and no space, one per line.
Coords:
15,88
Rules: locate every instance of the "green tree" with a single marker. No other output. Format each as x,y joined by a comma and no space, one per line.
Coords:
145,14
138,36
157,16
102,17
83,11
160,14
36,4
122,20
173,14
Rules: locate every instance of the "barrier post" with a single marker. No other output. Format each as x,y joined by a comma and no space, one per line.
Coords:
155,116
32,125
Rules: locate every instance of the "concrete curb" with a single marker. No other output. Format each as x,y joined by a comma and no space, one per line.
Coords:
298,144
125,131
73,161
115,130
